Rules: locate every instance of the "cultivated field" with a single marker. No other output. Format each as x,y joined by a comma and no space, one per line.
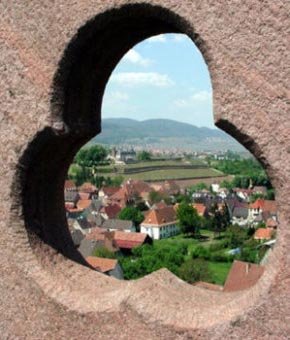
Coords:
154,171
160,175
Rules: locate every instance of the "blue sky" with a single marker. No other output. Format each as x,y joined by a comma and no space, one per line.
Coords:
162,77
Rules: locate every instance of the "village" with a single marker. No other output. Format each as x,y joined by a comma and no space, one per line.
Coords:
131,230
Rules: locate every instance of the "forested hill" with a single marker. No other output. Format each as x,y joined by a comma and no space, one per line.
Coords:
163,133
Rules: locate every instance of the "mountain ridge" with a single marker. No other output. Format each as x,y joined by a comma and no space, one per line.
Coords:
164,133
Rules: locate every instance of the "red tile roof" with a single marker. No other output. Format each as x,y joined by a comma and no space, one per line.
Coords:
160,205
160,216
87,187
170,187
102,264
69,184
271,223
200,208
265,205
97,234
242,275
109,191
120,195
84,195
263,234
111,210
84,204
136,187
129,240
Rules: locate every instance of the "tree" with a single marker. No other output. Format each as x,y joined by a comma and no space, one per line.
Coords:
144,156
197,187
182,198
132,214
188,219
91,156
226,184
194,270
156,197
220,218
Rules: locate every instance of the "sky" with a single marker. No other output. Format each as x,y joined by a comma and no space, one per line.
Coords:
164,76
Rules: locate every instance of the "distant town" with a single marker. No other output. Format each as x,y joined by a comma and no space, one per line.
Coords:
208,217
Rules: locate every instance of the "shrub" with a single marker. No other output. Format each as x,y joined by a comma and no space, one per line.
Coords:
221,256
201,252
195,270
217,246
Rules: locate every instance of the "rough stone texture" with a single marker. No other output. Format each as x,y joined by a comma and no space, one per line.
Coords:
55,59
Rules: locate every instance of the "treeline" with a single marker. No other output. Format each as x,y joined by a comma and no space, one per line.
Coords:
246,172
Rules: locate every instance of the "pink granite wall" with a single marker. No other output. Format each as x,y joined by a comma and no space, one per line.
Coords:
55,59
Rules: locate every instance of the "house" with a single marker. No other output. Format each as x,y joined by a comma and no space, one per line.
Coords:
81,223
263,234
170,188
240,216
160,223
242,275
121,198
72,197
77,237
88,188
127,241
84,204
159,205
243,194
121,225
69,185
105,193
261,190
96,219
223,193
271,223
127,156
131,191
110,211
88,247
109,267
215,187
200,208
103,239
263,209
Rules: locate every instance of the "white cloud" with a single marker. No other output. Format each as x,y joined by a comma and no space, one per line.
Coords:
197,97
142,78
157,38
135,58
116,97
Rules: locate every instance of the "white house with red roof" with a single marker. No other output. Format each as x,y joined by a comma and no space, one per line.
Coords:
262,210
160,223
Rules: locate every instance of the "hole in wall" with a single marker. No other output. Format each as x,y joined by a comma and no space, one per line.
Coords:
132,190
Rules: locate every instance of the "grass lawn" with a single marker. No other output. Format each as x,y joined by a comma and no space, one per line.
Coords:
219,271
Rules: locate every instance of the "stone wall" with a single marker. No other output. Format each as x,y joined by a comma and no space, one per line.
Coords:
55,60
